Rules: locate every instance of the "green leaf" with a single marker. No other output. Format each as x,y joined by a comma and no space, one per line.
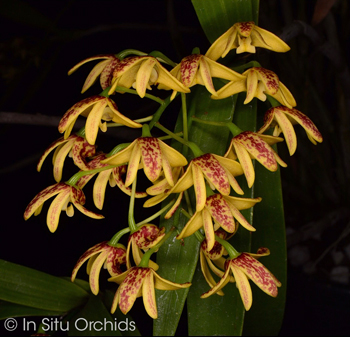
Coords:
29,287
224,315
217,16
266,315
8,309
95,320
178,260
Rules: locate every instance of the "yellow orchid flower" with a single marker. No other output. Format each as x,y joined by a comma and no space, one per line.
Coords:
283,119
223,209
104,69
248,145
140,72
145,238
141,281
257,82
214,260
95,108
245,267
77,147
199,69
155,156
66,194
100,255
220,173
244,37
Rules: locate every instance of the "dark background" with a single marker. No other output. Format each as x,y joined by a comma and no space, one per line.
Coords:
41,40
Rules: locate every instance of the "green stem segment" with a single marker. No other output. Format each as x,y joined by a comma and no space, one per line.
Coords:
193,146
145,258
235,130
117,149
156,215
115,239
74,179
159,112
162,58
126,52
146,131
184,121
231,251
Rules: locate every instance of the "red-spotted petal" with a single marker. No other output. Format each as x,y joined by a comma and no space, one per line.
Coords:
189,67
54,212
149,296
243,286
151,157
257,272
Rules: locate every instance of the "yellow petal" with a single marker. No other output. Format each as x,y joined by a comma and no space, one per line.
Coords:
192,225
246,163
54,212
263,38
240,218
133,166
121,157
230,165
185,182
223,281
208,229
244,288
120,118
149,296
93,58
231,88
206,272
284,96
174,157
199,187
60,158
99,189
242,203
173,208
151,157
94,73
252,85
93,121
163,284
204,71
222,45
143,76
95,272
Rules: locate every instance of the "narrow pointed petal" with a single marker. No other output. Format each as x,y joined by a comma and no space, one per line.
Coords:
149,296
119,278
52,146
298,117
231,88
99,189
133,166
257,272
271,140
143,76
86,212
230,165
41,197
117,177
165,78
168,173
151,157
107,73
93,121
121,157
208,228
195,223
93,58
76,110
94,73
220,71
173,208
239,217
90,252
163,284
199,187
60,158
204,71
185,182
174,157
219,46
262,251
155,200
206,273
221,213
284,96
234,183
242,203
95,272
70,128
120,118
252,85
54,212
288,131
268,120
265,39
244,287
246,163
130,288
223,281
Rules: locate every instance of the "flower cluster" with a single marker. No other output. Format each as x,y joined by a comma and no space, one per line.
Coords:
218,198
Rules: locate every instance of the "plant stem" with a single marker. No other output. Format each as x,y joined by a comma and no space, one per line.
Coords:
156,215
126,52
231,251
115,239
131,219
134,92
74,179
